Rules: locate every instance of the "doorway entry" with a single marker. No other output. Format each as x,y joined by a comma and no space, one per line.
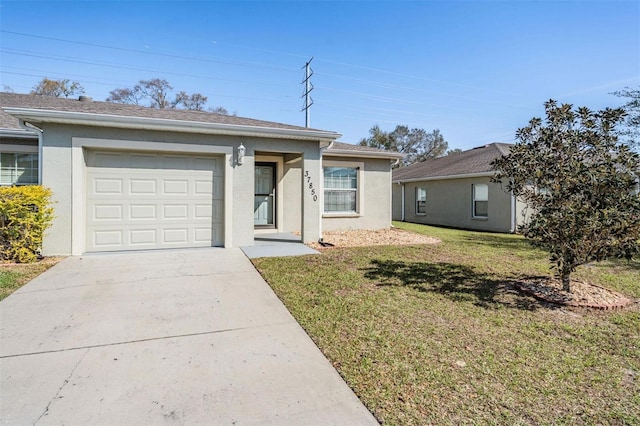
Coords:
264,204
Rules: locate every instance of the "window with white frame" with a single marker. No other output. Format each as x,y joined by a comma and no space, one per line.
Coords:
341,190
481,200
421,200
18,168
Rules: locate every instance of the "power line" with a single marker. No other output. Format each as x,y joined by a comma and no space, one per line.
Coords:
102,64
146,52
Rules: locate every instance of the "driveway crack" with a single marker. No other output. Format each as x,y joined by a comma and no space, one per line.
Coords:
64,383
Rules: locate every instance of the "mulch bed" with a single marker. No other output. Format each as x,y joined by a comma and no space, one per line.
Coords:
583,294
382,237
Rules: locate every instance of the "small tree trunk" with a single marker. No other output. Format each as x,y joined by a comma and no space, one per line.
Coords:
566,282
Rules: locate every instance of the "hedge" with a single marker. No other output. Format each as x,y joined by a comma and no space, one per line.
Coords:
25,214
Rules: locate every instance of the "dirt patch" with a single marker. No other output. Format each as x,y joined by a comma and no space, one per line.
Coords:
583,294
381,237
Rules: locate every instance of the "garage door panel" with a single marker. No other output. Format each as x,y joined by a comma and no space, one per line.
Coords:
137,201
107,186
139,237
143,212
142,186
175,187
107,212
175,211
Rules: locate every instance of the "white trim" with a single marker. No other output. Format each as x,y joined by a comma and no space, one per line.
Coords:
79,173
473,202
359,166
415,200
331,152
18,134
163,124
464,176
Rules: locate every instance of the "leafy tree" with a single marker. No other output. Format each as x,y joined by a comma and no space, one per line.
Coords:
157,93
454,151
57,88
580,183
632,122
417,144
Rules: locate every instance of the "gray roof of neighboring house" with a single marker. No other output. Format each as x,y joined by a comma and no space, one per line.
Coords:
110,108
473,161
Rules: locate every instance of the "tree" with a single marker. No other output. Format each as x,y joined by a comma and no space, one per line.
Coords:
57,88
125,96
454,151
156,93
580,183
417,144
632,122
195,102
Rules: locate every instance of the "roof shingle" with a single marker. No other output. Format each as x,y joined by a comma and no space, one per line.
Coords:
476,160
108,108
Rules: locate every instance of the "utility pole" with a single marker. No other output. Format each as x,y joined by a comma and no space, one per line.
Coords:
308,87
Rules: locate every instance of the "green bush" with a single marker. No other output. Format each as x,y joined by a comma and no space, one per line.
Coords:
25,213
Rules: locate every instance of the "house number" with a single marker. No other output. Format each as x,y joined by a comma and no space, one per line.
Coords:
310,185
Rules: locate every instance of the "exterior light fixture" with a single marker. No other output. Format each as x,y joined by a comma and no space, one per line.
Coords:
241,151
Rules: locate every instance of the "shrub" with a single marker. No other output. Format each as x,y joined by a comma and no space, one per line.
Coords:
25,214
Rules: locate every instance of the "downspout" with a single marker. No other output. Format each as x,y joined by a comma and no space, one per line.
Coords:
31,128
394,163
513,214
402,215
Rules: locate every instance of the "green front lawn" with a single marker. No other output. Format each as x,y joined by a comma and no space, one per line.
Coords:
435,334
12,277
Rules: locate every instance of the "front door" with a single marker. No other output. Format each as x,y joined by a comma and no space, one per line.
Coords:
264,204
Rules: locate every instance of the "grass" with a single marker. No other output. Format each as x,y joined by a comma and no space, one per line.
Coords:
12,277
434,334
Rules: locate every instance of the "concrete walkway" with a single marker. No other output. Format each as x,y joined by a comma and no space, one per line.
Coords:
164,337
277,244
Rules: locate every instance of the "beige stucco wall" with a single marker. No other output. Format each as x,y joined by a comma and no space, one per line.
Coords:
375,196
63,171
292,199
449,203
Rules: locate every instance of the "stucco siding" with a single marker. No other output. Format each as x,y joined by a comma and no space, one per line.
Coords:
449,203
396,205
292,182
375,211
63,170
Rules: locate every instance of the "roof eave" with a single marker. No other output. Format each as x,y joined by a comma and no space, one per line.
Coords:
445,177
18,133
362,154
146,123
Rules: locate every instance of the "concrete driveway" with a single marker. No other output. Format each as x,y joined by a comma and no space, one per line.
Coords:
163,337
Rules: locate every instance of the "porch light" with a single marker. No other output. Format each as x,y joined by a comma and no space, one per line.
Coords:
241,151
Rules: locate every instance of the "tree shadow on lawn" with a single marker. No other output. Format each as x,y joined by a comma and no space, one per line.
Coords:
459,283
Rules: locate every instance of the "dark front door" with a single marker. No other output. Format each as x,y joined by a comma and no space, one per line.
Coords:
264,204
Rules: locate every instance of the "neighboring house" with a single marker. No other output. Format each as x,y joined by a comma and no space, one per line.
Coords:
126,177
456,191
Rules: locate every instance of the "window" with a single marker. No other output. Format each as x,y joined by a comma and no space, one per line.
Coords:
341,190
421,201
481,200
18,168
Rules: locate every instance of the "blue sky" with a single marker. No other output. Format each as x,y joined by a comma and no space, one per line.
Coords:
475,70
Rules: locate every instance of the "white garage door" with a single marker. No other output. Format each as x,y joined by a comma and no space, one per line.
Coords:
139,201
